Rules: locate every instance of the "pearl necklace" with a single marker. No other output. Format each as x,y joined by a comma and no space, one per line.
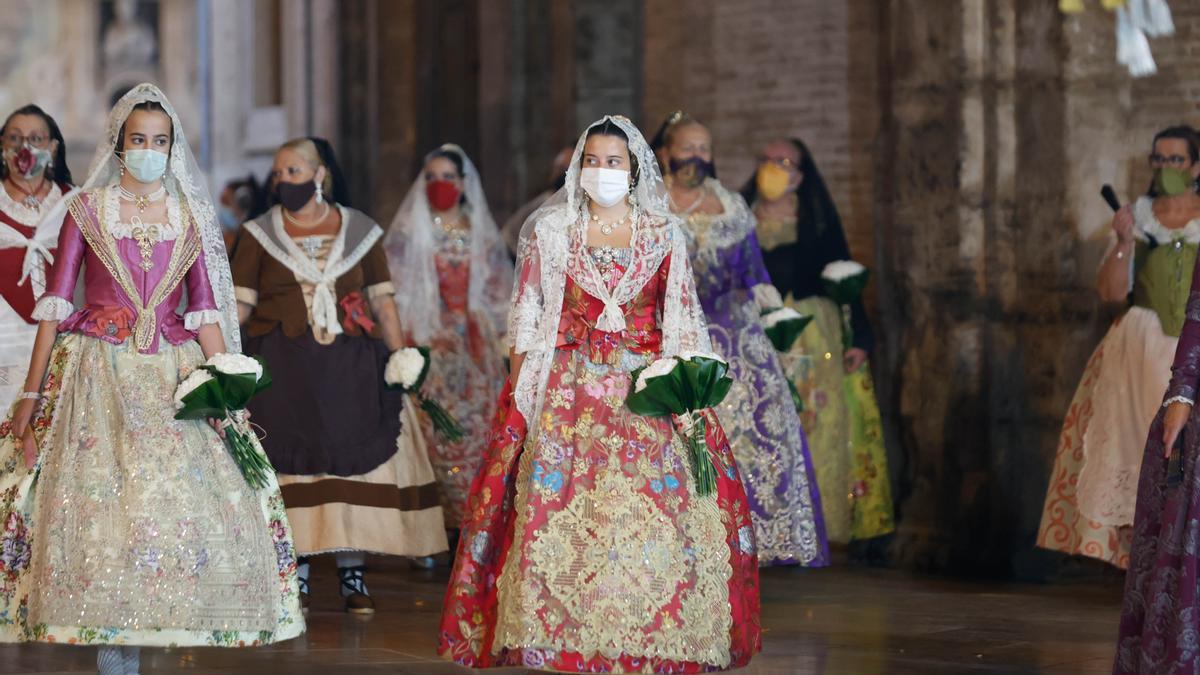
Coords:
142,202
692,207
607,228
291,219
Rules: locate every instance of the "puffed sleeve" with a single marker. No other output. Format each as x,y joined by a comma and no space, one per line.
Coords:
245,267
202,306
755,276
377,278
57,302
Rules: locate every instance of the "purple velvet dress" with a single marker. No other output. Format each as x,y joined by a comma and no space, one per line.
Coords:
758,414
1160,617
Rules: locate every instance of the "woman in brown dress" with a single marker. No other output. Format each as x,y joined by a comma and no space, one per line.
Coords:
315,301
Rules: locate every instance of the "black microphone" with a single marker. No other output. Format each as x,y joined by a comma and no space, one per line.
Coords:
1110,196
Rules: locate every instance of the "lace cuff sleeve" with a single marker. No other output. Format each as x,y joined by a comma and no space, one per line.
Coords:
52,308
193,320
522,325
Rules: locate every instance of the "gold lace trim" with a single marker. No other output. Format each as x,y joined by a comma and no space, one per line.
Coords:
598,577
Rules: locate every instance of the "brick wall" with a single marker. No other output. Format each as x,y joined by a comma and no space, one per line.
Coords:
758,70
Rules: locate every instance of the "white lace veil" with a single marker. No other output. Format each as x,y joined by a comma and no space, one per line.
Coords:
411,245
183,180
552,247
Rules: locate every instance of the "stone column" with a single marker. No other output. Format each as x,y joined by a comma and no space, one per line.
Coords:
982,301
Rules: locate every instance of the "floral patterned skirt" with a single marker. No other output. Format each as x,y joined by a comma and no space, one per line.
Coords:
585,548
845,432
466,372
135,528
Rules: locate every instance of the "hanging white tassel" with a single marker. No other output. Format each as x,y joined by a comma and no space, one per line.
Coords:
1133,49
1156,18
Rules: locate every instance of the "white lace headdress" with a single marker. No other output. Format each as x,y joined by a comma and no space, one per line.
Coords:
553,246
410,245
184,181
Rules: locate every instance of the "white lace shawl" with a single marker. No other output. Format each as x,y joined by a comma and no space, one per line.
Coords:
553,246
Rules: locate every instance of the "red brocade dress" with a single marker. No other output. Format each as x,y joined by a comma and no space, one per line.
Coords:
584,546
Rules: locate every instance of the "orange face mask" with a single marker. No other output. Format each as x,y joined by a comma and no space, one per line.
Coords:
772,181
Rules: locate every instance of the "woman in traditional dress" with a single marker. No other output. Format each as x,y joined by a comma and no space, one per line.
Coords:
1090,503
446,254
315,299
758,415
585,547
36,177
800,234
123,526
1160,617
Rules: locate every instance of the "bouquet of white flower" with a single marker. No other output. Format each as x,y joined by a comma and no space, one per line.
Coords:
220,389
844,283
406,370
782,326
684,385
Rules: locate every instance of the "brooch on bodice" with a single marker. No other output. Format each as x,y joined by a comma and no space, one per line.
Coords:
146,237
311,245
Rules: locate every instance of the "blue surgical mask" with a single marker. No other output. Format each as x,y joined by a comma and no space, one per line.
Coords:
146,166
228,218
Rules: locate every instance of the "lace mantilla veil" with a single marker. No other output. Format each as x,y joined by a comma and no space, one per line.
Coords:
183,180
411,245
552,247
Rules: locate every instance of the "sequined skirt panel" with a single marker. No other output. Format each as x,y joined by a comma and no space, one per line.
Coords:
137,528
760,419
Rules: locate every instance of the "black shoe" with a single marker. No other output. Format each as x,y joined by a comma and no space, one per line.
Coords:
357,600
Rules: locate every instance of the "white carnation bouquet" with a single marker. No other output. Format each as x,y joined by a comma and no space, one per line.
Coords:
220,390
845,281
684,385
406,370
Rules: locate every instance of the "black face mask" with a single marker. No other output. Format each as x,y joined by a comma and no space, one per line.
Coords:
691,171
293,196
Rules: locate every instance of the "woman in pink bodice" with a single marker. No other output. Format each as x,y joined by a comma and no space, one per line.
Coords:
131,527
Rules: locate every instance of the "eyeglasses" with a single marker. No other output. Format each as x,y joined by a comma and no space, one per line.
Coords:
1176,161
15,140
782,162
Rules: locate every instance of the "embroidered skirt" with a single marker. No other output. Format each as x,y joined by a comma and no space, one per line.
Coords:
135,528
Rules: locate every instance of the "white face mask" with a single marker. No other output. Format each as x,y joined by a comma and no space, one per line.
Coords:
605,186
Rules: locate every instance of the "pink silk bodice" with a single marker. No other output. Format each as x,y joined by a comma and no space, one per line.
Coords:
109,312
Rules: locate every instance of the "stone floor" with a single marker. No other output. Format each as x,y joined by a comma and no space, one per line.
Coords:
843,620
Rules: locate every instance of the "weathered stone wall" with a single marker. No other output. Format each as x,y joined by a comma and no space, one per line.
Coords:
759,70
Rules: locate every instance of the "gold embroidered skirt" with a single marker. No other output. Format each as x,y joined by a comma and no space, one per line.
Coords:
135,528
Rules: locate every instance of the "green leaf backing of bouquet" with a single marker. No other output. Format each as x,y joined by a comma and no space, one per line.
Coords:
692,385
848,290
223,393
784,333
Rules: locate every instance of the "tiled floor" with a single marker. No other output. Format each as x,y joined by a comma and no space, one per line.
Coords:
841,620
